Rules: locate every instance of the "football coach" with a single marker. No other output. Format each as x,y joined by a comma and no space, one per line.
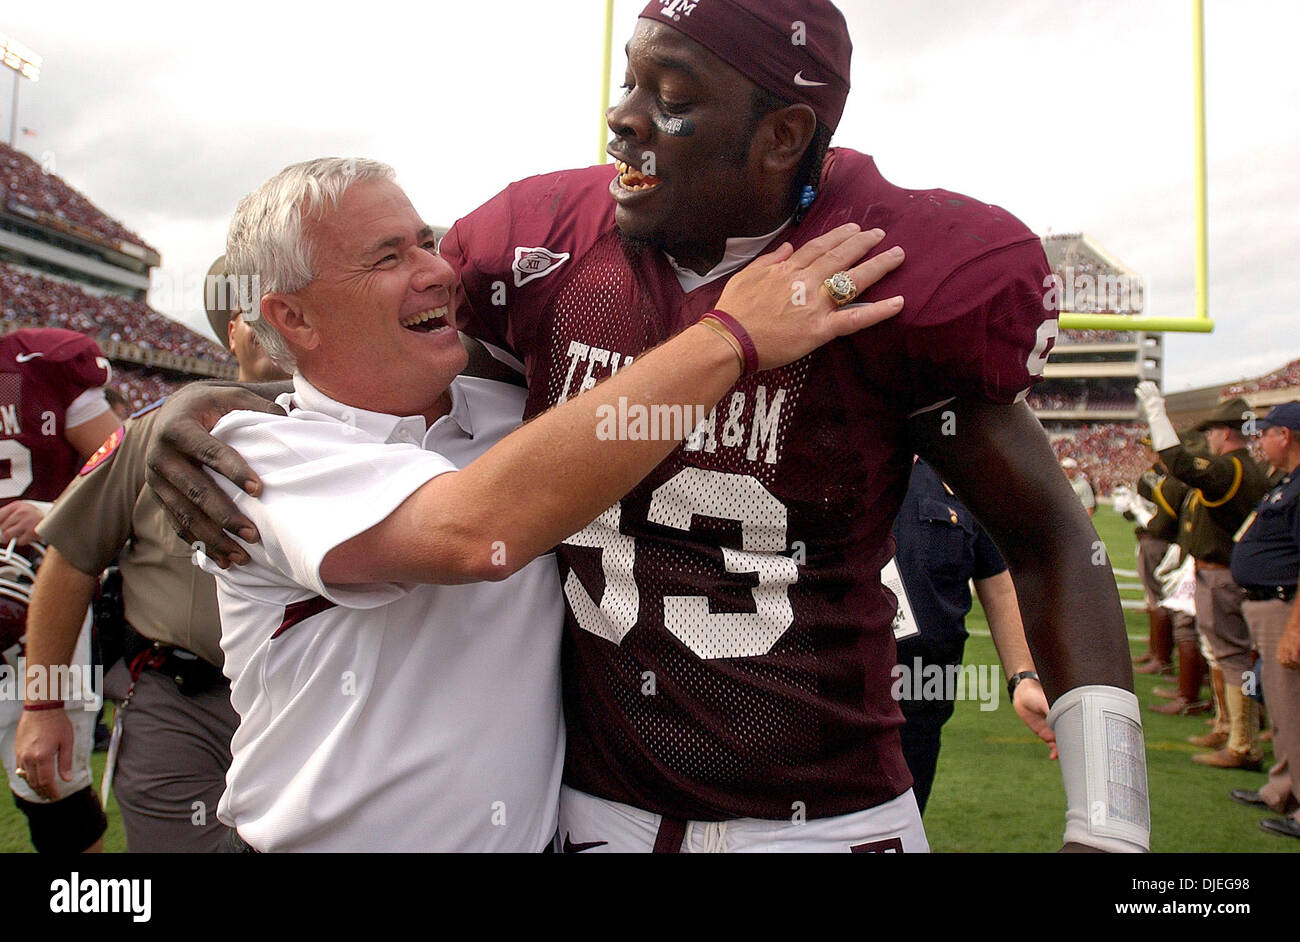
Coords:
378,711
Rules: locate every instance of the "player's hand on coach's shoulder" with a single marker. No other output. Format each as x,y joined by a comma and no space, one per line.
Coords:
180,446
779,299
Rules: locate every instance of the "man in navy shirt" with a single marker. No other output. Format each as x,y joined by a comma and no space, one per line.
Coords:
941,548
1266,564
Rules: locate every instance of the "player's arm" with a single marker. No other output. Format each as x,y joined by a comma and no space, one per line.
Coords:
19,519
1000,465
523,494
997,595
88,436
44,739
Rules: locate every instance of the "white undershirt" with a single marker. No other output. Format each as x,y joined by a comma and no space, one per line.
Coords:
739,253
91,404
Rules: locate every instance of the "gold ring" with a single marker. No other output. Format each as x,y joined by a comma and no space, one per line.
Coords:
841,288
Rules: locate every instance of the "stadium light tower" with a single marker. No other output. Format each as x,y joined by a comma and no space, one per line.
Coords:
26,65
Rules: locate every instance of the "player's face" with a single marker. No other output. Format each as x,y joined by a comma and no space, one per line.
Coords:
684,128
382,303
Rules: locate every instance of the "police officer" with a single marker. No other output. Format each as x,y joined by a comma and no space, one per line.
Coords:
177,723
1226,487
941,548
1266,564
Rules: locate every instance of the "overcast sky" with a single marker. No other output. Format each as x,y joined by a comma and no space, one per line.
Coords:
1074,116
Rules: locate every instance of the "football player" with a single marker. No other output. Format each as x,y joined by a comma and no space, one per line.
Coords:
53,418
728,646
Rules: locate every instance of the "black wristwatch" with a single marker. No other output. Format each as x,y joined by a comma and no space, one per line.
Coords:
1014,682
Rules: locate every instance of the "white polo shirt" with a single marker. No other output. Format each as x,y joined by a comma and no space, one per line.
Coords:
382,717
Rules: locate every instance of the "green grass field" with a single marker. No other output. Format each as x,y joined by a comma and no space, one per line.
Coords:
995,789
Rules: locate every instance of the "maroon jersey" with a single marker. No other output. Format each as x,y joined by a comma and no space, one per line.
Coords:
728,646
42,371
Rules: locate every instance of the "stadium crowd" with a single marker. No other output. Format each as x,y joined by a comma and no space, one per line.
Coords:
1110,454
28,298
1089,399
140,385
55,203
1285,378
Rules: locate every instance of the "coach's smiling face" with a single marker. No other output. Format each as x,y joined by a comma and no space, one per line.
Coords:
696,165
372,330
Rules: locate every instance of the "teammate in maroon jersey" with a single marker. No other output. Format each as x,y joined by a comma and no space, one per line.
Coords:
728,648
53,417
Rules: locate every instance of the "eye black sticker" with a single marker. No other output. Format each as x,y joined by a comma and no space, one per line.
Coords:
674,125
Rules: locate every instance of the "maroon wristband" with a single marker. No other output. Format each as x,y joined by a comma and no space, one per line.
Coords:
742,337
43,705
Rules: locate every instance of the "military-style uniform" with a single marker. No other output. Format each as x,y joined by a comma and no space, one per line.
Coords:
1170,497
177,728
1225,488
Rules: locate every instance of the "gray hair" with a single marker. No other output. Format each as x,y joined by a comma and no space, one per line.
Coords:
267,246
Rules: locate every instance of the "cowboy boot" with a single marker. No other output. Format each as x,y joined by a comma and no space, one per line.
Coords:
1190,667
1159,659
1242,750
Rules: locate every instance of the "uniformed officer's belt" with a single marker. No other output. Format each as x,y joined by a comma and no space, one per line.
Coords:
1265,593
191,673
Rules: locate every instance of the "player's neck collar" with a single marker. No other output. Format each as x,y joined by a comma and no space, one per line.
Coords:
740,252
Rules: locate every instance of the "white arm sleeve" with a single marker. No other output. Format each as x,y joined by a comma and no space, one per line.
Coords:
1103,762
91,404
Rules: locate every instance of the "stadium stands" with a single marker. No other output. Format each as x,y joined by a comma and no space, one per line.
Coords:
1287,377
46,199
1110,454
29,299
66,263
141,386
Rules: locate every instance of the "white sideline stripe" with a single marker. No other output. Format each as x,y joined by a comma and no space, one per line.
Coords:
1139,635
1126,573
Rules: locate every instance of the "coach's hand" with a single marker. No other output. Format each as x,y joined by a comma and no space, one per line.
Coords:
1030,704
779,299
180,446
43,745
